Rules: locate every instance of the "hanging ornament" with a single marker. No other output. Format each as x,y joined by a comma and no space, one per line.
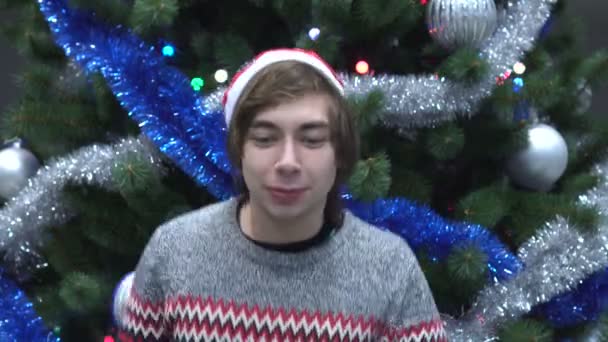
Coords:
17,165
121,295
458,23
542,162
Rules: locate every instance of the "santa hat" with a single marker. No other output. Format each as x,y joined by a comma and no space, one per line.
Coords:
241,79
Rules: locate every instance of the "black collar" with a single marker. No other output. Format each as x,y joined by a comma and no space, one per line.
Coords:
292,247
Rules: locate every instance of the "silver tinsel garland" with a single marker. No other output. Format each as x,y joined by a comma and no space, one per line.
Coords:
556,260
422,101
39,204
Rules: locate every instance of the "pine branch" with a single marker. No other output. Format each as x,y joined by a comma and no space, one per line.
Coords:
42,46
334,13
109,112
447,299
150,15
574,185
295,13
327,45
468,267
367,110
525,330
201,44
257,3
603,327
445,142
83,292
106,220
503,101
501,137
112,11
584,219
530,210
411,185
29,34
134,173
55,128
37,81
586,152
593,69
465,66
375,14
371,179
49,305
486,206
67,250
543,90
231,51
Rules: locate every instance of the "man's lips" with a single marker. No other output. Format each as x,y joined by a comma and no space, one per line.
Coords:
286,190
286,195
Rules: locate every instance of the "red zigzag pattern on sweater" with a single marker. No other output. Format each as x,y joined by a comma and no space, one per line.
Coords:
197,319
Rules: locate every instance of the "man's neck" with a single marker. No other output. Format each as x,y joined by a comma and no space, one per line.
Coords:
259,226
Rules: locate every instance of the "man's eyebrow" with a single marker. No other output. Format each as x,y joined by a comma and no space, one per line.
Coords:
263,124
314,125
311,125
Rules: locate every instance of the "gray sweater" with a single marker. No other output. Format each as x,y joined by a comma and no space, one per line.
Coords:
200,279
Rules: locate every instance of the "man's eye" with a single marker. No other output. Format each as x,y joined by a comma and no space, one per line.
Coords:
314,142
262,141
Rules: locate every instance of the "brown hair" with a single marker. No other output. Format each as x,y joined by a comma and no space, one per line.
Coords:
283,82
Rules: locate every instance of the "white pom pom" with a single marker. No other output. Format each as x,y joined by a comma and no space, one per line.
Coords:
121,295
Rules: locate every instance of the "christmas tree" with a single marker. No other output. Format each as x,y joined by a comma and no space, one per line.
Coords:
478,147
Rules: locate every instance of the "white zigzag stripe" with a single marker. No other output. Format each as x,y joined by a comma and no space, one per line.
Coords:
434,332
138,308
138,327
292,323
345,327
355,331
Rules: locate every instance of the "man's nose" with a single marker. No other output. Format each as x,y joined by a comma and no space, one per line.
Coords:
289,161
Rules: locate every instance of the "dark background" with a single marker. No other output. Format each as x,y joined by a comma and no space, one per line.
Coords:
593,15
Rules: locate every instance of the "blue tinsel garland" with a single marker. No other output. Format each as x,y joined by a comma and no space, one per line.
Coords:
160,98
18,320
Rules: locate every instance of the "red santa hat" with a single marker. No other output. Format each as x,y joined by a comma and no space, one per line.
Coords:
241,79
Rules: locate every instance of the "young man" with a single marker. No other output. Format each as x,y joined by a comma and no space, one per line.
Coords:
283,261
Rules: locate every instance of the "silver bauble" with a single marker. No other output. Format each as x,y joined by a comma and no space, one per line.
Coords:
542,162
17,165
461,23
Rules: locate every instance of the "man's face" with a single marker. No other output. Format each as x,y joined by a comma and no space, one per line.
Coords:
289,163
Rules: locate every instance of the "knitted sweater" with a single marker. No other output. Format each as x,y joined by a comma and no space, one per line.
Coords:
200,279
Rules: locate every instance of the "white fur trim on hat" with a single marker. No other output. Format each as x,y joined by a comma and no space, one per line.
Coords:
241,79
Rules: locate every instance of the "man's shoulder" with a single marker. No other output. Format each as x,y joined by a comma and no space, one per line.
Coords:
379,242
384,255
198,221
210,212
